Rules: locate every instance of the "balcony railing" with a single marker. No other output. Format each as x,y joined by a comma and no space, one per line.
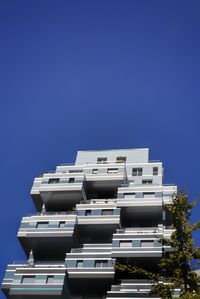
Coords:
52,213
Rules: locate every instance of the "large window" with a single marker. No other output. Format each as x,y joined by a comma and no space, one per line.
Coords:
107,212
148,194
75,170
54,181
79,264
129,195
88,212
147,243
147,182
28,279
112,170
155,170
136,171
120,159
42,224
62,224
71,180
101,264
102,160
125,244
49,279
94,170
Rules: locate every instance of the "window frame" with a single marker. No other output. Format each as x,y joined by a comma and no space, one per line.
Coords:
155,170
137,171
79,262
71,180
42,223
102,263
121,159
147,182
103,212
102,160
48,278
28,277
128,242
88,212
52,181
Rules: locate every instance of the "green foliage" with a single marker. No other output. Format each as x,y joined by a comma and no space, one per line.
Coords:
190,295
175,265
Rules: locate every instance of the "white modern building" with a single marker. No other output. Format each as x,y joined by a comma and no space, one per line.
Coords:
108,207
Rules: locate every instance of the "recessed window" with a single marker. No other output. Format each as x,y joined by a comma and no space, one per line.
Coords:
54,181
101,264
125,244
148,194
28,279
88,212
75,170
79,264
71,180
147,182
120,159
147,243
50,279
102,160
62,224
42,224
106,212
112,170
95,171
155,170
129,195
136,171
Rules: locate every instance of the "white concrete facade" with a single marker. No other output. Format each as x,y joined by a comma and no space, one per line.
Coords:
107,207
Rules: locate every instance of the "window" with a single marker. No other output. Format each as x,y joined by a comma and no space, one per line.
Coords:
136,171
54,181
101,264
79,264
155,170
125,244
120,159
49,279
28,279
112,170
102,160
42,224
95,171
129,195
106,212
88,212
147,243
148,194
62,224
147,182
75,170
71,180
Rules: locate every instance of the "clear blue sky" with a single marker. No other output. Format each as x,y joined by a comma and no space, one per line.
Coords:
95,75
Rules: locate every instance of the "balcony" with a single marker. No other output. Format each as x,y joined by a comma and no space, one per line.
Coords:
23,281
137,204
91,267
132,289
97,221
128,244
104,179
58,191
56,232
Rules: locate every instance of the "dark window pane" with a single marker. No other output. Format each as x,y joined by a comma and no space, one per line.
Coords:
53,181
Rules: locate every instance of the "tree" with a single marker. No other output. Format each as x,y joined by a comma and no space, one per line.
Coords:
177,267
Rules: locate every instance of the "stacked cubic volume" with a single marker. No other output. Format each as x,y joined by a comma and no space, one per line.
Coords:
109,207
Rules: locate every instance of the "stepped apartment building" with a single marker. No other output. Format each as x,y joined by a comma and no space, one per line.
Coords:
108,207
